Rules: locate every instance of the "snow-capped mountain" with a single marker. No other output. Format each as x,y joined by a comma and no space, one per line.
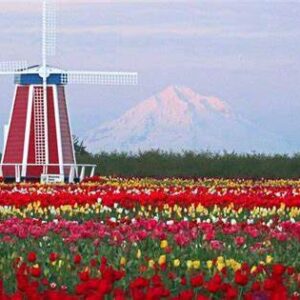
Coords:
180,119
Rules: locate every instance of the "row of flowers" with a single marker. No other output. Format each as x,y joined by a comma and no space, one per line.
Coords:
100,280
175,200
113,210
182,233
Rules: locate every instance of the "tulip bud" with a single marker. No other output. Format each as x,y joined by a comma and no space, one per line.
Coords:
176,263
164,244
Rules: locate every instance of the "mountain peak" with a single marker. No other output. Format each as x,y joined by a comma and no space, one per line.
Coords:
175,93
178,118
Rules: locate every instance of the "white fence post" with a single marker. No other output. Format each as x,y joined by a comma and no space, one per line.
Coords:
93,171
76,171
71,174
82,173
17,173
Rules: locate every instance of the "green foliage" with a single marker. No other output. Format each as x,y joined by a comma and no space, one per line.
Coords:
188,164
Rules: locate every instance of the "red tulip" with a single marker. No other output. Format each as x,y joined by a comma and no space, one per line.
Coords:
53,256
183,280
278,270
197,280
202,297
269,284
240,278
186,295
31,257
255,286
239,241
36,271
231,293
77,259
84,276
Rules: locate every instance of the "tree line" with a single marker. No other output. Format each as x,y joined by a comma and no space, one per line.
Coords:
188,164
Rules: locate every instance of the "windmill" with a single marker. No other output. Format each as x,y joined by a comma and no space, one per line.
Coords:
38,139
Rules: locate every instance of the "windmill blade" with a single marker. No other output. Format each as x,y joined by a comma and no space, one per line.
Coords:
101,78
49,27
12,67
48,49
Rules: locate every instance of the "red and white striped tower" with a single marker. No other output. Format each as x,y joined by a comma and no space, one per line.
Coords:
38,138
38,133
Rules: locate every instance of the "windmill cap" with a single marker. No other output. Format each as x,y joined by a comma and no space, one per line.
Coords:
33,75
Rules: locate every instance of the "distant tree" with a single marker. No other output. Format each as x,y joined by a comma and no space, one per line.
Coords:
79,147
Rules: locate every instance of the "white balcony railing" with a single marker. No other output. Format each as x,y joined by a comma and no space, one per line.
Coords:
74,171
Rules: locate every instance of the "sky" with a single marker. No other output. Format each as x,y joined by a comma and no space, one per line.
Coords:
247,53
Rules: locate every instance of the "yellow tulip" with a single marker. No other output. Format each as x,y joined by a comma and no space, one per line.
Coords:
269,259
162,259
220,266
123,261
209,264
196,264
163,244
220,259
151,263
176,263
189,264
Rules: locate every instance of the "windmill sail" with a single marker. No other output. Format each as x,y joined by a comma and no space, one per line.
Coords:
49,27
101,78
48,49
12,67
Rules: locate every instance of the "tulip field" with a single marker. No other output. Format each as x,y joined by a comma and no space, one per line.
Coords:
116,238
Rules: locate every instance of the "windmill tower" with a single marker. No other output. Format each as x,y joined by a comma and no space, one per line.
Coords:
38,139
